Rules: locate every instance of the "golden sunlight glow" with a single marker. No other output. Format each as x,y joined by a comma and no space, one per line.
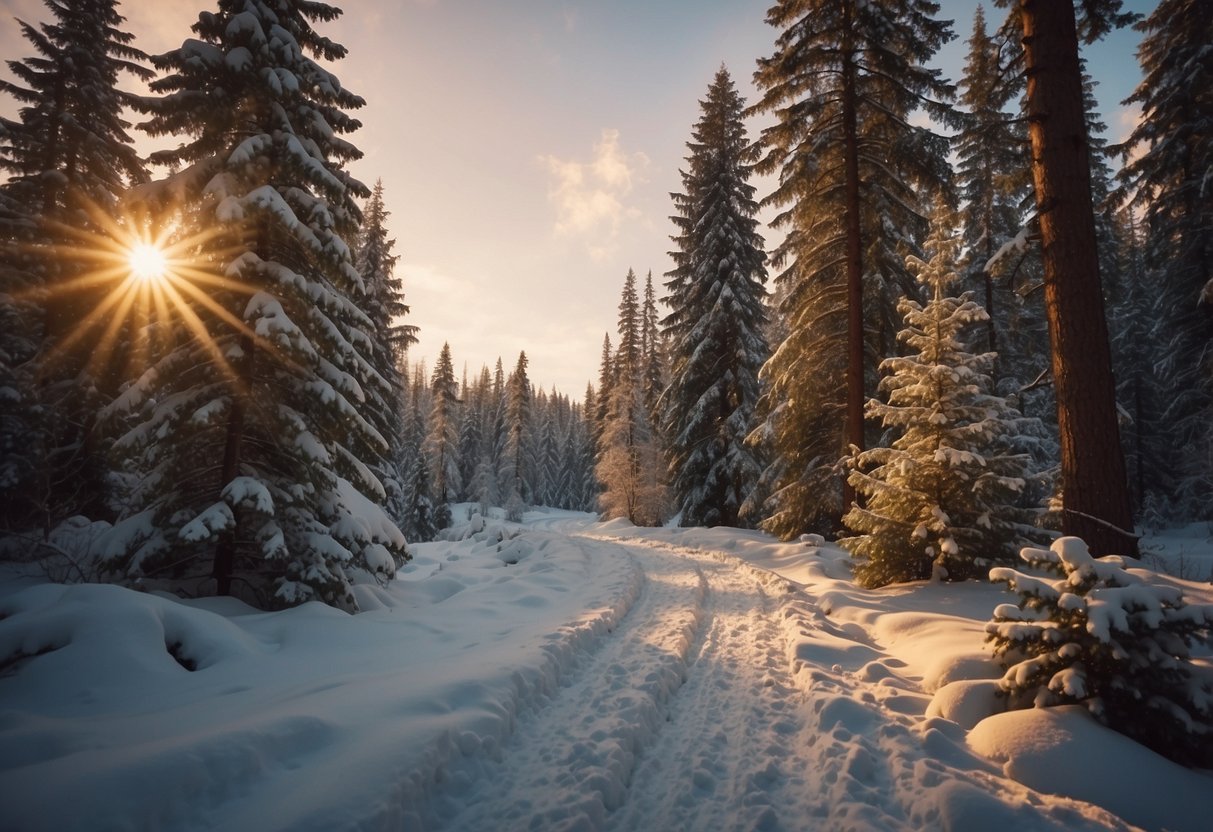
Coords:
138,280
147,263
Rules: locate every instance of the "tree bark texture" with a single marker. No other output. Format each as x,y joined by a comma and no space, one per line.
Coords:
1095,497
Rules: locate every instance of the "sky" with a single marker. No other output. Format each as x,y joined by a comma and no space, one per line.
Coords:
528,148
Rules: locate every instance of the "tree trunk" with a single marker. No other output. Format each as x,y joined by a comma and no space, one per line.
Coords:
1095,497
854,267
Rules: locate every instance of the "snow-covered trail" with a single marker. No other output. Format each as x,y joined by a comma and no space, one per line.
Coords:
570,763
728,757
698,712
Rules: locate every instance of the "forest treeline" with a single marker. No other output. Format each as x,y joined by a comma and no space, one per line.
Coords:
972,328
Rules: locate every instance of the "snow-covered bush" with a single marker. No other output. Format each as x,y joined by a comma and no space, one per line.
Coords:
1090,632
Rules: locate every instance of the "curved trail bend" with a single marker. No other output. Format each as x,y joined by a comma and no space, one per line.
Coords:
699,712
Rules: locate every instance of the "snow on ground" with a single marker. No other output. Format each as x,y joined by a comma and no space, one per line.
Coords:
564,674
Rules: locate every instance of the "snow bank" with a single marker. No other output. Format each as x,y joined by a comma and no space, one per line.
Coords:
1064,751
152,712
902,674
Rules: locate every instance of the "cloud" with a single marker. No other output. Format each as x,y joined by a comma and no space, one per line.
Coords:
1126,122
590,197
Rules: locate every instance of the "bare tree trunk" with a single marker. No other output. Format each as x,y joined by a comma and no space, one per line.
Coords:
854,260
1095,497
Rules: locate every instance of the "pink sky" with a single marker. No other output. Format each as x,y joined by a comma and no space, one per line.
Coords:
528,149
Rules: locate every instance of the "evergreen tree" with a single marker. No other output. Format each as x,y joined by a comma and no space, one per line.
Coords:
518,429
994,180
1136,352
419,522
842,84
629,459
383,303
442,438
483,486
944,497
1167,179
251,431
471,424
606,381
1095,497
587,493
67,151
1094,634
716,321
654,351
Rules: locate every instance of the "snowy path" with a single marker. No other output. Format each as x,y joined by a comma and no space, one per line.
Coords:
698,712
549,676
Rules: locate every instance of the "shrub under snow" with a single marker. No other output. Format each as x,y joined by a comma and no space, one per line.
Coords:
1098,635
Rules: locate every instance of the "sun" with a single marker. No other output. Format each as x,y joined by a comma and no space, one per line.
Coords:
148,263
137,281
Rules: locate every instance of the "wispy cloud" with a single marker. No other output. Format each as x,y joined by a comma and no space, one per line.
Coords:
1126,122
590,197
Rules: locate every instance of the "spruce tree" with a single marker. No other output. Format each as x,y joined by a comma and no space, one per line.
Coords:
715,325
606,381
653,350
383,302
252,432
994,181
419,521
1086,631
945,497
1167,181
842,84
442,437
67,156
517,459
629,459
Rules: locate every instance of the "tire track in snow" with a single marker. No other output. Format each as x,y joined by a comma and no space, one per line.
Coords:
570,763
728,758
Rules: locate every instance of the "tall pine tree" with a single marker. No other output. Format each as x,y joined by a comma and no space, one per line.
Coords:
629,459
67,150
251,429
842,84
383,303
716,321
442,439
1168,181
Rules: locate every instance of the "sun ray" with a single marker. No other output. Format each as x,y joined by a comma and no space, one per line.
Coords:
140,278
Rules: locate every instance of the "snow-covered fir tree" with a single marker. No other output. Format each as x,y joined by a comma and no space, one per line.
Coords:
1167,179
994,181
442,438
606,382
67,149
945,497
517,458
1092,633
482,487
629,456
715,326
250,431
842,84
653,349
418,522
383,303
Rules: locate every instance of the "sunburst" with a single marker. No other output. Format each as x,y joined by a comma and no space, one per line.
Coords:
142,277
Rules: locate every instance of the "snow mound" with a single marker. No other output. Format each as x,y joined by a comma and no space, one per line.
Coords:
1064,751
